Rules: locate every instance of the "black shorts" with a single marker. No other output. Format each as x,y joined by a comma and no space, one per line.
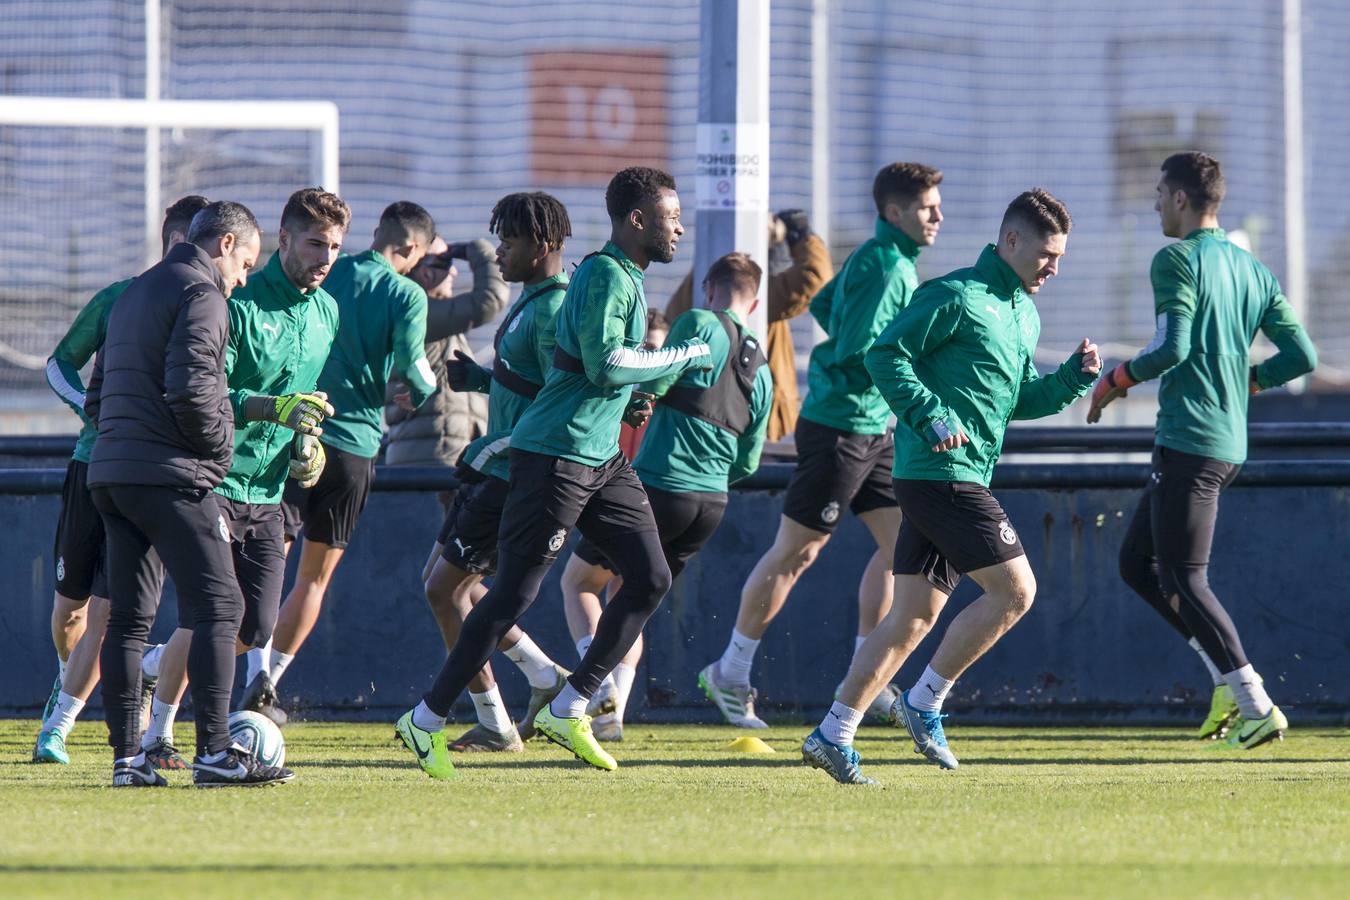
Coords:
549,495
468,536
684,519
81,548
327,512
949,528
256,536
837,469
1174,522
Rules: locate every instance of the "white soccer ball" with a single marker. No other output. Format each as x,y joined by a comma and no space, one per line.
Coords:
258,735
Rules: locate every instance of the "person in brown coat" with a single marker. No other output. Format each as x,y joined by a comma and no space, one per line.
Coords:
790,292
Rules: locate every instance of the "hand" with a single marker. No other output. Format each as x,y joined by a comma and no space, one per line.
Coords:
639,409
464,374
301,412
1114,386
1092,360
798,225
307,460
1253,386
946,438
403,400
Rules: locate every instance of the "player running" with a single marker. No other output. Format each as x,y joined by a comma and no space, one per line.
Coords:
382,326
532,229
80,608
956,366
566,470
844,452
1211,298
706,432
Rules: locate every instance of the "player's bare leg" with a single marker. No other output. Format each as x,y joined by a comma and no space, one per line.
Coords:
78,678
583,585
168,665
876,590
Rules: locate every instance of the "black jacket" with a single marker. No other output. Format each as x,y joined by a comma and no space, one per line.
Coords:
158,390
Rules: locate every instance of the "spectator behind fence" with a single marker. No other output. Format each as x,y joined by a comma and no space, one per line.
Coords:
789,292
438,431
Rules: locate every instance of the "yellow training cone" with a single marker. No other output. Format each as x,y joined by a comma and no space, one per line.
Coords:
749,745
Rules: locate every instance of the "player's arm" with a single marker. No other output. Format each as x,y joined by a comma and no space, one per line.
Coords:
79,345
410,355
1295,354
1044,395
602,335
822,304
751,442
868,299
791,291
477,306
192,365
238,396
928,322
693,324
545,333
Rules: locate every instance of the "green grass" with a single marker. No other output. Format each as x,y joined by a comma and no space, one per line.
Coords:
1050,812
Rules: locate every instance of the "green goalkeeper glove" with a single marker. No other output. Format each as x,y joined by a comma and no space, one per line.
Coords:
307,460
298,412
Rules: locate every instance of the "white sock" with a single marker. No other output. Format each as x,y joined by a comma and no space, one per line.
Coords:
623,676
255,661
929,692
161,722
569,704
841,724
533,663
583,645
138,760
427,720
1252,700
150,661
857,644
734,666
491,710
1209,663
63,715
277,664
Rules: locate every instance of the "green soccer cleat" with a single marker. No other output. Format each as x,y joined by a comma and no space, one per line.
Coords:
427,746
539,698
574,735
51,700
735,702
1222,711
1247,735
51,748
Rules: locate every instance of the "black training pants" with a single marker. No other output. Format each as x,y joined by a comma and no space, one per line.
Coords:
150,530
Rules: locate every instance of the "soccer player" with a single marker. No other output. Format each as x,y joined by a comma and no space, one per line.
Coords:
382,324
165,439
80,609
706,432
566,470
956,366
1211,298
532,229
844,452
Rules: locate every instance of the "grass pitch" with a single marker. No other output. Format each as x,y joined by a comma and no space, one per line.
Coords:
1050,812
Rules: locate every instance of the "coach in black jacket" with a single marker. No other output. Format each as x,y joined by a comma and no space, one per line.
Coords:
166,437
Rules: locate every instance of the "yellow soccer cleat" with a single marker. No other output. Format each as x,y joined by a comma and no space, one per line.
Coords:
1222,711
428,746
574,735
1247,734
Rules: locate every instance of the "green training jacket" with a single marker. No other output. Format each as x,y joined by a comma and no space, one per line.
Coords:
81,342
961,355
875,283
1211,297
383,318
278,342
601,325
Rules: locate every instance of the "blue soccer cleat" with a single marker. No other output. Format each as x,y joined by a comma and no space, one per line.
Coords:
926,730
51,748
840,762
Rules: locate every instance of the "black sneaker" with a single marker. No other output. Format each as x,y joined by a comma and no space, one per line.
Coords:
128,774
261,697
164,755
237,769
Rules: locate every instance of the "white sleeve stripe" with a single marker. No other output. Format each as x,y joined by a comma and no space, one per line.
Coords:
1158,337
488,452
64,389
422,369
625,357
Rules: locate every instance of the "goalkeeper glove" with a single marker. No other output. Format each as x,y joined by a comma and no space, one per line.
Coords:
298,412
797,223
307,460
639,409
1114,386
464,374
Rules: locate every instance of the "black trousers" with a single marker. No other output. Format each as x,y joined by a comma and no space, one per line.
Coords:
151,530
1165,555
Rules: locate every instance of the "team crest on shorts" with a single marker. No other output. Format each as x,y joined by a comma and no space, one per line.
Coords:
60,568
223,528
1006,533
830,514
555,543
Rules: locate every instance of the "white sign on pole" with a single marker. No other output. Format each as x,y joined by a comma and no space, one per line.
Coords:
730,169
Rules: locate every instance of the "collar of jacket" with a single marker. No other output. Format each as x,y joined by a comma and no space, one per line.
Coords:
1002,280
612,249
887,233
1216,231
198,258
376,256
275,277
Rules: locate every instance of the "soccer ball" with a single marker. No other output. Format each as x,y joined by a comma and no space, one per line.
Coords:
258,735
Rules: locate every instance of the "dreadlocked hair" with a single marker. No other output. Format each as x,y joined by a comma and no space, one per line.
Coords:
535,215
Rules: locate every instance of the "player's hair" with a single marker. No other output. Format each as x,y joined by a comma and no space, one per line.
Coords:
179,216
404,220
310,207
902,183
535,215
1037,209
657,319
215,220
633,187
1197,174
735,270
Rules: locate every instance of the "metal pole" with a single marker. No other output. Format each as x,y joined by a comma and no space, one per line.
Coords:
1295,213
820,119
153,207
732,184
